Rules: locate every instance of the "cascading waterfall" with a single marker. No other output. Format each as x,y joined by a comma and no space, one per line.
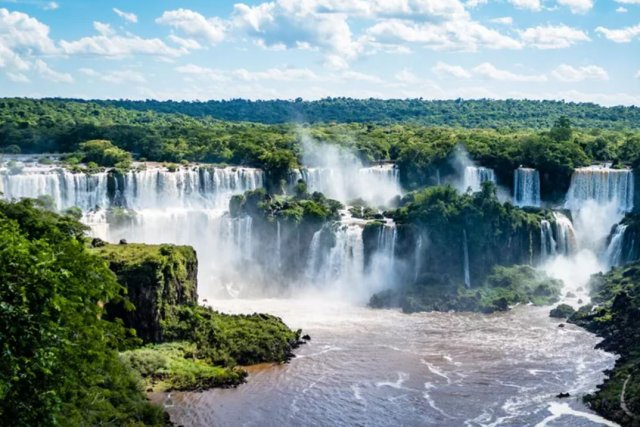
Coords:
602,185
376,185
475,176
565,236
467,274
613,254
548,243
417,261
526,187
278,245
67,189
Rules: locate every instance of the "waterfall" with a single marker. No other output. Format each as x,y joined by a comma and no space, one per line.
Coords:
188,188
475,176
467,274
565,236
376,185
602,185
613,254
65,188
548,243
417,261
526,187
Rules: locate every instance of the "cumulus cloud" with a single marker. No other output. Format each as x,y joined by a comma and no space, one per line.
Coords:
127,16
110,44
446,70
48,73
621,35
20,32
568,73
628,1
577,6
52,5
534,5
553,37
622,10
489,71
194,24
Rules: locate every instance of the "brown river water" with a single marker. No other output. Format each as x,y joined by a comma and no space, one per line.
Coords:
367,367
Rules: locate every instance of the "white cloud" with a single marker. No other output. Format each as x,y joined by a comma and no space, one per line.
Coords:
534,5
475,3
577,6
127,16
553,37
622,10
116,77
622,35
102,28
9,59
628,1
110,44
20,32
244,75
489,71
52,5
449,35
568,73
446,70
505,20
195,25
18,77
188,44
47,73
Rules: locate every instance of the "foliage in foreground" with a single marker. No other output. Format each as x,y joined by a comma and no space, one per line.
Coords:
60,362
616,318
505,287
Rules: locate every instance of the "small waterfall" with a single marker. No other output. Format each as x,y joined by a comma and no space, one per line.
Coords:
417,262
526,187
565,236
467,274
475,176
387,240
548,243
602,185
343,263
613,254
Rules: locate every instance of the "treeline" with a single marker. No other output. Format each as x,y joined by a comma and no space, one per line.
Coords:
423,152
483,113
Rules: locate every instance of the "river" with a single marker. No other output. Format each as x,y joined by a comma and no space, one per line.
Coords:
367,367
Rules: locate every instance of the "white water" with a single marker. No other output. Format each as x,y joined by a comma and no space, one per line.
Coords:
602,185
341,175
613,254
548,244
475,176
526,187
467,274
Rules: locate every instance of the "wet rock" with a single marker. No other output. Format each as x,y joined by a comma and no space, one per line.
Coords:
563,395
571,295
306,337
563,311
561,325
123,241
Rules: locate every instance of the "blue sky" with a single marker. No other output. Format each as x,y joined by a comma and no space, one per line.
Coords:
578,50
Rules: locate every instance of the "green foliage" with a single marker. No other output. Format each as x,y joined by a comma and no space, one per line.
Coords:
231,340
59,363
562,311
505,287
174,366
615,318
104,153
